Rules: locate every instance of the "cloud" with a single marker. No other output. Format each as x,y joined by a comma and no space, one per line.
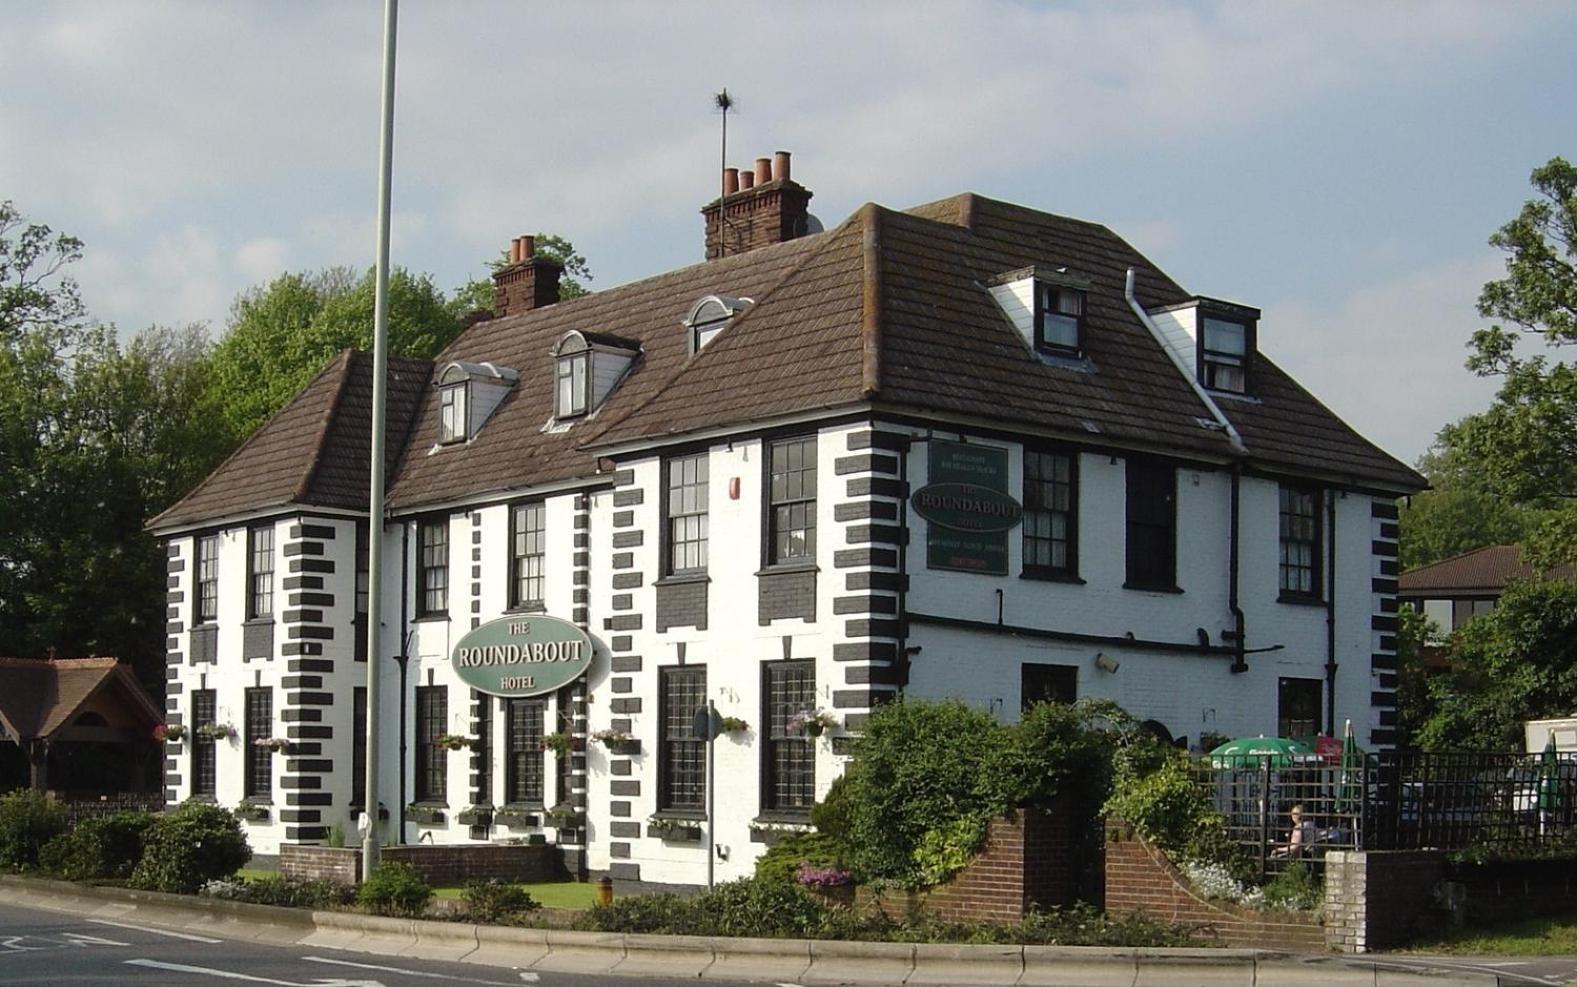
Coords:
1388,356
126,123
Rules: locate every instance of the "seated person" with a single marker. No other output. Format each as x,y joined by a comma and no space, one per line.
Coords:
1303,836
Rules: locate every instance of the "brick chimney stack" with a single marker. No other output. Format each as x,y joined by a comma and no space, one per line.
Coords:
527,281
768,207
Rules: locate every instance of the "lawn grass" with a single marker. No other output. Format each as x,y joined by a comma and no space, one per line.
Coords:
254,873
558,894
1549,935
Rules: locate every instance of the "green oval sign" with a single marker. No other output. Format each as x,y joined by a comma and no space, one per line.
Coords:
527,655
967,507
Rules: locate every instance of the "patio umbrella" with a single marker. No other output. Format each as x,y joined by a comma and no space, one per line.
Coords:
1349,788
1247,752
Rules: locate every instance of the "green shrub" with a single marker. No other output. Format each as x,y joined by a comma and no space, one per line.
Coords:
287,892
102,848
1295,889
753,907
28,820
781,862
654,913
495,902
1159,797
189,846
395,889
927,778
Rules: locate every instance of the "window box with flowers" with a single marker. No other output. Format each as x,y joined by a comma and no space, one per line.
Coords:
810,723
279,745
476,815
426,815
565,816
216,731
675,829
252,810
517,817
617,742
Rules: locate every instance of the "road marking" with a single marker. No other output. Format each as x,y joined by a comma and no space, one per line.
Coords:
231,975
12,944
529,978
158,932
82,939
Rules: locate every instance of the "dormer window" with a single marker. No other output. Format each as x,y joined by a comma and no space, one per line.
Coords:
1059,319
453,403
1224,346
711,316
468,393
573,375
587,366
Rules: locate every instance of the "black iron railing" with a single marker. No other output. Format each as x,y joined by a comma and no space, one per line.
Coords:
1282,810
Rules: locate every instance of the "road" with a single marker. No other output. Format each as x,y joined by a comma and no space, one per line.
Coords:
39,947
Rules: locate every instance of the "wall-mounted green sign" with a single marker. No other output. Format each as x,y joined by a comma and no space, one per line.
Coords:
967,507
522,656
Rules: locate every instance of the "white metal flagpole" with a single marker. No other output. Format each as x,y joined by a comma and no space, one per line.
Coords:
371,835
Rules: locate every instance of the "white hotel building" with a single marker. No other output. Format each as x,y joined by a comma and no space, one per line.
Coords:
965,450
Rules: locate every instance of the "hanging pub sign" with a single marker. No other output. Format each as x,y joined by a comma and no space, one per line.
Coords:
527,655
967,508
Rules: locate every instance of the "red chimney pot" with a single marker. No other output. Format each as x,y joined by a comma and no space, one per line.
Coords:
763,170
780,166
747,179
730,181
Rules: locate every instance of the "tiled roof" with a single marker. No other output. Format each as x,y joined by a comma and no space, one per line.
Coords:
1481,570
315,450
890,310
38,697
514,448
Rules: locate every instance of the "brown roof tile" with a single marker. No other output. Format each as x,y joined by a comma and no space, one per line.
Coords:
39,696
1483,569
890,308
314,451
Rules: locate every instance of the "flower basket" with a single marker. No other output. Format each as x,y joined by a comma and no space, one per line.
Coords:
426,815
252,811
735,725
563,744
216,731
172,733
516,818
476,815
809,723
453,742
616,742
279,745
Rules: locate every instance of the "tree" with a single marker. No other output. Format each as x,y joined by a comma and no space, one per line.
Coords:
477,294
282,333
1518,662
1461,511
1526,443
94,439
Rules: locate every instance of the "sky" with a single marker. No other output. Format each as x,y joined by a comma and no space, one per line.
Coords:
1339,166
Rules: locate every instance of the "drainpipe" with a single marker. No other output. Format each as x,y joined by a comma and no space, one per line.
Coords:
405,661
1240,634
1330,613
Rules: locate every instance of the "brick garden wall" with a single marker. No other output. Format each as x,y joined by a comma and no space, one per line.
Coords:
88,808
438,865
1139,878
1027,861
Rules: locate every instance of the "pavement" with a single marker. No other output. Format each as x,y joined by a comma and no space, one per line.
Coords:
57,933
